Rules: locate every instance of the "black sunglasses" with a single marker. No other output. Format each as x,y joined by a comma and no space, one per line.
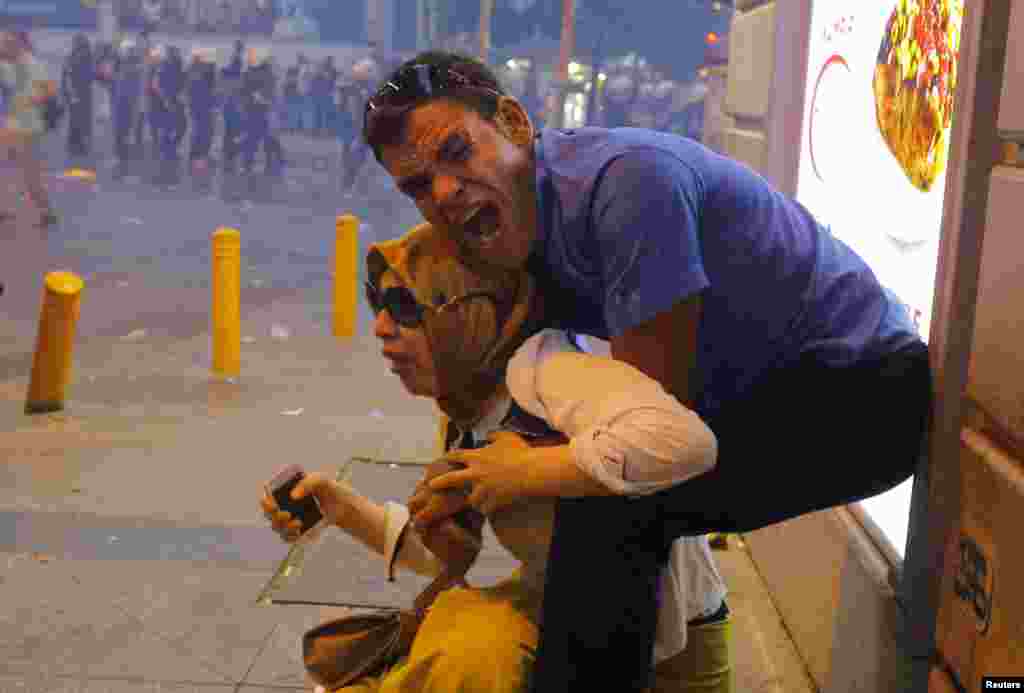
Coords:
418,82
403,307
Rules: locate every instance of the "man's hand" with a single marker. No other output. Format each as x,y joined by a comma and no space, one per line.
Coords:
497,475
429,508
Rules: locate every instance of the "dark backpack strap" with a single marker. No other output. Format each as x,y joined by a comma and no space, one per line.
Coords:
531,427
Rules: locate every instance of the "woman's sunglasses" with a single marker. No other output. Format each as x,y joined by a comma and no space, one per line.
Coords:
415,83
403,307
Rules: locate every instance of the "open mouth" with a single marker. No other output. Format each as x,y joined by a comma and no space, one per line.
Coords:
484,225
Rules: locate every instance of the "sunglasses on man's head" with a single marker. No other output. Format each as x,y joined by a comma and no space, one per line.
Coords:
418,82
404,309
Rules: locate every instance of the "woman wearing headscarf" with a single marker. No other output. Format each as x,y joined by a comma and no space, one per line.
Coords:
473,345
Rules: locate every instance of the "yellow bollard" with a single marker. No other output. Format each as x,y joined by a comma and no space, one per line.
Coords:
51,366
346,274
226,309
1011,154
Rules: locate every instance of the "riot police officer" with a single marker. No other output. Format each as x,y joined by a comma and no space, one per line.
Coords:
258,94
76,87
202,102
169,112
231,78
154,116
127,95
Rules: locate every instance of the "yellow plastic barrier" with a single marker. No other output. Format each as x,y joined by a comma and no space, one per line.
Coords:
51,365
226,309
346,274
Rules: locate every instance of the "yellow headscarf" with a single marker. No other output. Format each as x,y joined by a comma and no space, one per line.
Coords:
472,341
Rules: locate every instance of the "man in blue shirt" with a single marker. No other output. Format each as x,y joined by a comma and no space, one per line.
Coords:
701,275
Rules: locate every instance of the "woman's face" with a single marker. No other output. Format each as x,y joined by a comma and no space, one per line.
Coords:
407,349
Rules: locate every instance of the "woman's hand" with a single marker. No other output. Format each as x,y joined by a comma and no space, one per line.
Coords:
497,474
328,494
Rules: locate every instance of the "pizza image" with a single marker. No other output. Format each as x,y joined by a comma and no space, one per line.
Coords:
914,84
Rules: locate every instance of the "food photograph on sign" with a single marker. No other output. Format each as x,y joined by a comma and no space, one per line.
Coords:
877,122
914,84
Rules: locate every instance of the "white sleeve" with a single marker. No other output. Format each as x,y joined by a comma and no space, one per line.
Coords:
626,431
403,547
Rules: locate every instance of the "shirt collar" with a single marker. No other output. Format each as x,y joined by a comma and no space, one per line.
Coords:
492,421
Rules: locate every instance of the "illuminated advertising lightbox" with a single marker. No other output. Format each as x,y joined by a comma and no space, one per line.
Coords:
881,75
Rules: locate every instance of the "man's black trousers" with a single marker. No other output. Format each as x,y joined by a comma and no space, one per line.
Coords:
808,437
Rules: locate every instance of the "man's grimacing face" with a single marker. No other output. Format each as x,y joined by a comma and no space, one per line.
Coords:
472,177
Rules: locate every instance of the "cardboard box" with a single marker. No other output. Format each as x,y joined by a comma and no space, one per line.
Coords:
980,627
996,376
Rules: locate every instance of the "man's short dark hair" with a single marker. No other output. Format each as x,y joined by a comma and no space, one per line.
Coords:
389,127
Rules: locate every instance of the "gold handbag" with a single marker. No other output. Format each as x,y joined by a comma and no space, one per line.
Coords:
340,652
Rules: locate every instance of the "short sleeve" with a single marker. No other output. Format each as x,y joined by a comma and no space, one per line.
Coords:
646,216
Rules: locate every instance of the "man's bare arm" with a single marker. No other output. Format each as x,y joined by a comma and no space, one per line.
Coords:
665,348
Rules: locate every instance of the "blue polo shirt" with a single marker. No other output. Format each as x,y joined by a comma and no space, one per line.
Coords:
633,221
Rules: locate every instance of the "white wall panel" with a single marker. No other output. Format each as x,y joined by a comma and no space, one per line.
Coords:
748,146
751,62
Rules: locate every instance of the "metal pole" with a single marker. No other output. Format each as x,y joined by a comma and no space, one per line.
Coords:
566,50
422,29
372,20
568,38
975,151
106,19
486,12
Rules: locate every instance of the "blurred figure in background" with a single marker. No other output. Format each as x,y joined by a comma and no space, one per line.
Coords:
346,124
224,16
77,80
168,114
105,57
5,94
231,96
307,71
291,98
153,107
258,94
152,13
178,90
362,87
29,88
202,98
323,86
532,99
129,75
620,92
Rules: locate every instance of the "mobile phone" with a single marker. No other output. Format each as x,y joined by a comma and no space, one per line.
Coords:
307,509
